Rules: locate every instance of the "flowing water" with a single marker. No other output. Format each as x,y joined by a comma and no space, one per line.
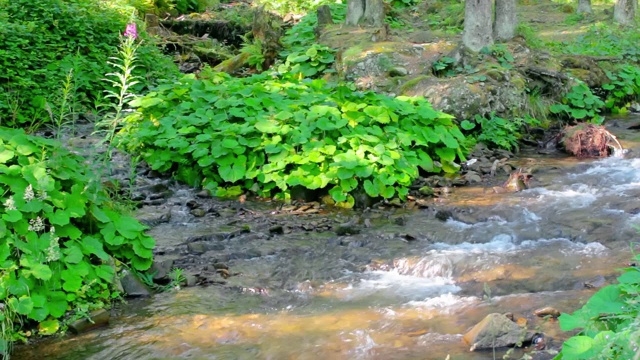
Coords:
376,295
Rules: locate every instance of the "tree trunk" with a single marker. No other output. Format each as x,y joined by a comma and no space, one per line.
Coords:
477,24
624,11
584,7
504,27
369,11
374,12
324,15
355,12
268,29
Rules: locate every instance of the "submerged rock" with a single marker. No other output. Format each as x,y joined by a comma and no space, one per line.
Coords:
95,320
495,331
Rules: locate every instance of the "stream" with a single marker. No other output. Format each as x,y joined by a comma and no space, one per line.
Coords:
407,285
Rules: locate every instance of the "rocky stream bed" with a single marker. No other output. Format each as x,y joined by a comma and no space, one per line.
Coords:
304,280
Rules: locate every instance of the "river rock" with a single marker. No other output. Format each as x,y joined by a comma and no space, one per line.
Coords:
96,319
547,311
495,331
198,212
161,268
444,215
426,191
133,286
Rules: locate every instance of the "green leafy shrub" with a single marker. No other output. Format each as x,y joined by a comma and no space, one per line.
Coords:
610,322
41,41
497,131
315,61
60,236
266,135
580,104
623,88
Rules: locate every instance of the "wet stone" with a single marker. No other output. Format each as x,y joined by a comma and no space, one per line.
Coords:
160,269
347,229
203,194
198,212
547,311
133,286
96,319
444,215
249,254
277,230
192,204
496,331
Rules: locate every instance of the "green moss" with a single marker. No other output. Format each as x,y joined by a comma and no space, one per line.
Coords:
412,83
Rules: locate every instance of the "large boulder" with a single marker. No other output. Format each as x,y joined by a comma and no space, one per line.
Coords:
496,331
381,66
492,91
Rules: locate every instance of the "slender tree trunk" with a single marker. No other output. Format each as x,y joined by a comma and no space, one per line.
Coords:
504,27
584,7
355,12
374,12
477,24
624,11
370,12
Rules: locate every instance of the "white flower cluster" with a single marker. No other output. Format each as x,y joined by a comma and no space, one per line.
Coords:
28,193
10,204
36,224
53,251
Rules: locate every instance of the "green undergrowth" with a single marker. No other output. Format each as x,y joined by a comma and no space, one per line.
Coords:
44,42
61,236
609,322
266,135
604,40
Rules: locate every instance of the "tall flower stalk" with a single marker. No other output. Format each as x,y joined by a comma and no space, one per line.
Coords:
122,80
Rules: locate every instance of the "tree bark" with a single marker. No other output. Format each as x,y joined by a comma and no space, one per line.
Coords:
584,7
355,12
477,24
624,11
324,15
374,13
370,12
504,27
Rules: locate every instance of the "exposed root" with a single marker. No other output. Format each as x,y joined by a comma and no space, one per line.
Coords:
589,140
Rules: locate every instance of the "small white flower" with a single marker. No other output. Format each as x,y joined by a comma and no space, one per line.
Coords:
53,251
10,204
36,224
28,193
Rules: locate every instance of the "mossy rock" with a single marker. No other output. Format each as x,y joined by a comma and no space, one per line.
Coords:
586,69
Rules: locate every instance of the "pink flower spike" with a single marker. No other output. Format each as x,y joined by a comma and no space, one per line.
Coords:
131,31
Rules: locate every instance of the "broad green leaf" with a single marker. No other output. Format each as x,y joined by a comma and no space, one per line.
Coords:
22,306
40,271
73,254
371,189
267,126
632,276
6,155
48,327
577,348
128,227
60,217
105,272
93,246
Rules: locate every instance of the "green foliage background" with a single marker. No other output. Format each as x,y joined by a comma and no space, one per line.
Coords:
41,41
